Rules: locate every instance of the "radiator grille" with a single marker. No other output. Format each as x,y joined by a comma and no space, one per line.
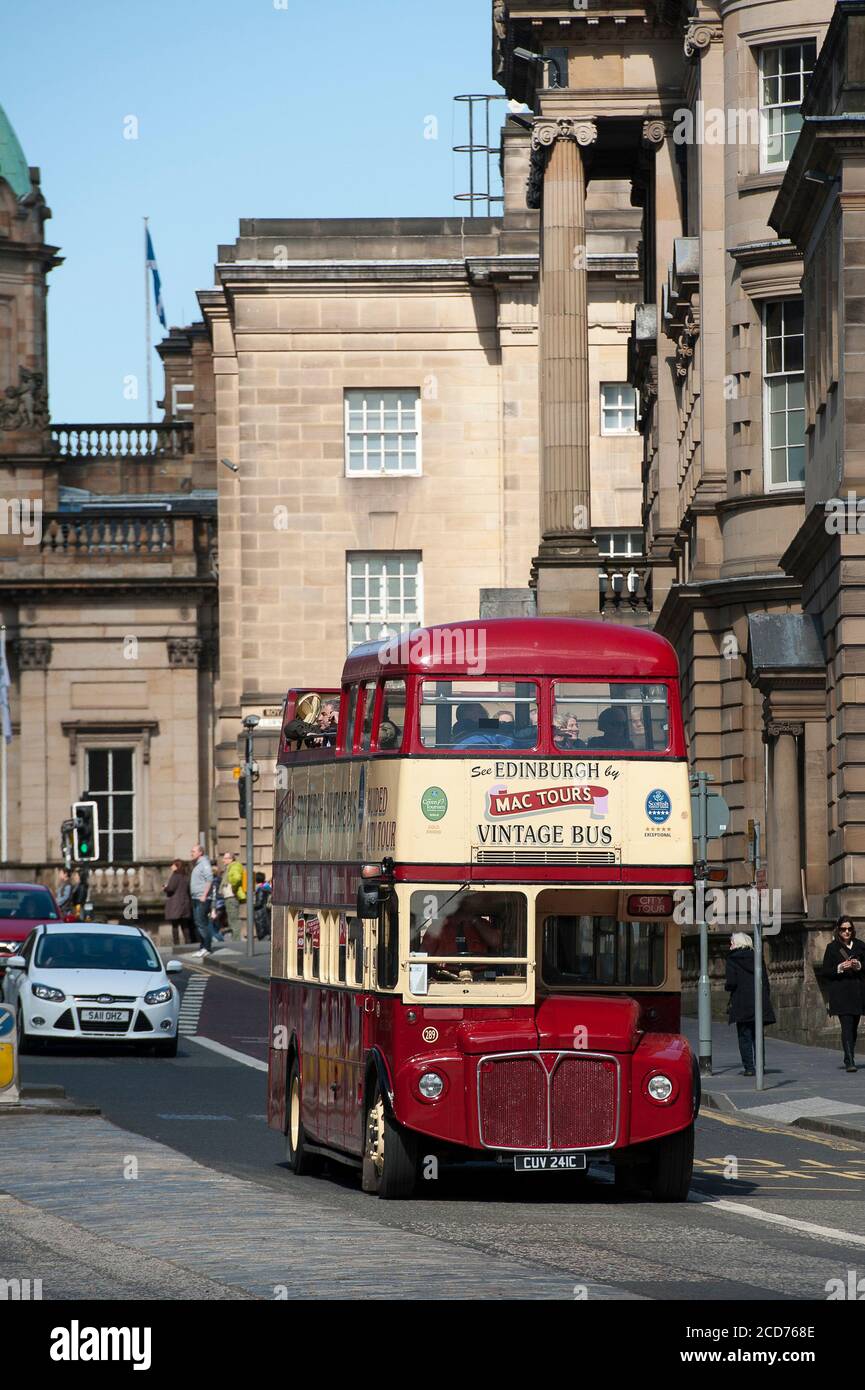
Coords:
572,1102
583,1103
513,1102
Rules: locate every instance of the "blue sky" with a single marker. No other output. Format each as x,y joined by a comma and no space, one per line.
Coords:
245,108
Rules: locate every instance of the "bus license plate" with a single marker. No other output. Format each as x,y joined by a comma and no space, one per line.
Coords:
105,1015
550,1163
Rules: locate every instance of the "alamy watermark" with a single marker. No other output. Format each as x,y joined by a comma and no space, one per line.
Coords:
450,646
21,516
729,907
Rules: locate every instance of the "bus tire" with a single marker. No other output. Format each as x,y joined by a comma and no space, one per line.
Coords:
389,1154
300,1162
672,1167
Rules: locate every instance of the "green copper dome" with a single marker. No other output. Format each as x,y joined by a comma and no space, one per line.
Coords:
13,165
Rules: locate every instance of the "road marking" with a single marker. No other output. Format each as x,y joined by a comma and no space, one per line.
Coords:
807,1228
190,1005
195,1117
229,1052
805,1135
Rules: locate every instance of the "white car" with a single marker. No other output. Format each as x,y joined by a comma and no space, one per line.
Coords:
102,983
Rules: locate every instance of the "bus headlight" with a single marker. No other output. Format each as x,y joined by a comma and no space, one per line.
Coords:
431,1085
660,1088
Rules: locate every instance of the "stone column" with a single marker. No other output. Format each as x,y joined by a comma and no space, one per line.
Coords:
666,213
36,835
567,561
785,847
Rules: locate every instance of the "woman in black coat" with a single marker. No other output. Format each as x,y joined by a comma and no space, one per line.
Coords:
740,986
843,970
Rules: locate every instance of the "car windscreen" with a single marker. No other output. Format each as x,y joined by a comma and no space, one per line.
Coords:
95,951
27,904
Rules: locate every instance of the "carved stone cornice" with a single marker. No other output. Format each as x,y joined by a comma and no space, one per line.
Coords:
34,653
699,34
184,652
545,132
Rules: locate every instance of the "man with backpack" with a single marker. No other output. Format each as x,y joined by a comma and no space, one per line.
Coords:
232,890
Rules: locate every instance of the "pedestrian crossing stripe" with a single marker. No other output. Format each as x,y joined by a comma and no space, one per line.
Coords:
190,1007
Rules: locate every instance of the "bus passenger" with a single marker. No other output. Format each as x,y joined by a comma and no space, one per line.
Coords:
467,726
569,737
615,732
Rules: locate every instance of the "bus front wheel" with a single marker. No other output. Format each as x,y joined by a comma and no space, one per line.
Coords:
389,1155
672,1167
299,1161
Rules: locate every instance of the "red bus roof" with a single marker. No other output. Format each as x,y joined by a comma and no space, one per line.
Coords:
566,647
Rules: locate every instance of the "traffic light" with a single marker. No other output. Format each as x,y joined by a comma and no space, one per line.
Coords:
241,791
85,833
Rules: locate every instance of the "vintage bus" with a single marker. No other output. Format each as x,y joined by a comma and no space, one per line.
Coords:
475,954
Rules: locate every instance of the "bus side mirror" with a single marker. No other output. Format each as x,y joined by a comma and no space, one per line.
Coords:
368,900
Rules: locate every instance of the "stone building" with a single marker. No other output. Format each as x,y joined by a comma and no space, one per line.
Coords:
699,106
108,596
356,415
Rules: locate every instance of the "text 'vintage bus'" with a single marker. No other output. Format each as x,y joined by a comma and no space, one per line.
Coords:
474,948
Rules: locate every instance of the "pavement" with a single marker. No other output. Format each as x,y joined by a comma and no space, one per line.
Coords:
806,1087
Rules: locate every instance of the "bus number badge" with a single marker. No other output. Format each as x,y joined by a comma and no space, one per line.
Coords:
430,1035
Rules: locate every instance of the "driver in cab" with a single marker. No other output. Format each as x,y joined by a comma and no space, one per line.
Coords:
463,933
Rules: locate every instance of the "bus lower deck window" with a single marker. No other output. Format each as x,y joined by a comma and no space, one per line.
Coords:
601,951
447,925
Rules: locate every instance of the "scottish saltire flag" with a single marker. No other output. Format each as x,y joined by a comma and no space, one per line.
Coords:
157,283
5,716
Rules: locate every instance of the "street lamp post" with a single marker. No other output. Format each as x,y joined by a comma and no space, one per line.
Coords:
249,725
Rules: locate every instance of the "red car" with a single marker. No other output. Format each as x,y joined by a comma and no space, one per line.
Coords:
23,906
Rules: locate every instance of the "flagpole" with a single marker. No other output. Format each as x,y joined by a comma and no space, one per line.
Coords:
4,768
147,328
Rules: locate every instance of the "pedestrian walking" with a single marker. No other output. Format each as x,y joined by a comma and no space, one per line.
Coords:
64,893
178,903
200,886
843,970
232,890
261,906
740,986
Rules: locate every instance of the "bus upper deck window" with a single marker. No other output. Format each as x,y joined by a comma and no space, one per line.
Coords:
392,717
611,716
474,712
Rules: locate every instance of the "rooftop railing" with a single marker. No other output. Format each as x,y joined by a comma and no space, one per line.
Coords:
122,441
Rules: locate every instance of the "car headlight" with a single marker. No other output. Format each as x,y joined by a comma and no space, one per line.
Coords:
431,1085
660,1088
54,996
159,996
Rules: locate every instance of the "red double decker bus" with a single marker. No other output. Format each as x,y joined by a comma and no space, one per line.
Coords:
475,954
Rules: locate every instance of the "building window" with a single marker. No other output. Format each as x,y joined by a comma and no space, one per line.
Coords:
384,595
784,73
110,785
614,545
382,432
784,393
618,408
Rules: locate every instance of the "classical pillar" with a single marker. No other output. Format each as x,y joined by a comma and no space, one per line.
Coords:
665,211
785,847
36,835
558,186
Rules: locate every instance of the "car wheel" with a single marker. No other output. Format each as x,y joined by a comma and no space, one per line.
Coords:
301,1162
